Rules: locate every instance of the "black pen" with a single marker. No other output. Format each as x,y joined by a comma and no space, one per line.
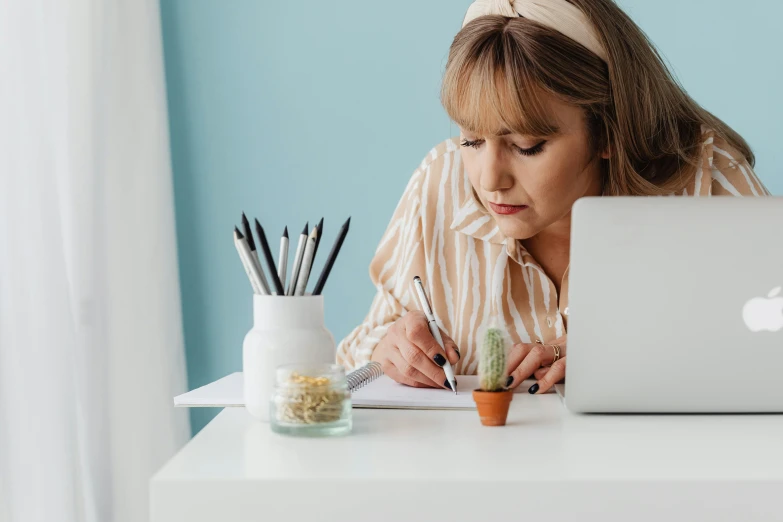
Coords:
319,286
269,261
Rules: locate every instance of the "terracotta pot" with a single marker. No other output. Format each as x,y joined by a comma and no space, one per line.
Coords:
493,406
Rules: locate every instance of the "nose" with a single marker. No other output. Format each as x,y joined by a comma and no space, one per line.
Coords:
495,169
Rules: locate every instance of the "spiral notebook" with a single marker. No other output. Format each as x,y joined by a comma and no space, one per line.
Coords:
369,389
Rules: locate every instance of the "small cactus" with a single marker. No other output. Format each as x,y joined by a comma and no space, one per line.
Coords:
492,364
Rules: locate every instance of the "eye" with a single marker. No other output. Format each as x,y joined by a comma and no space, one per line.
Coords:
532,151
471,143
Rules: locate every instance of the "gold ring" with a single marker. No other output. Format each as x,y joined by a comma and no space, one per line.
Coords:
556,348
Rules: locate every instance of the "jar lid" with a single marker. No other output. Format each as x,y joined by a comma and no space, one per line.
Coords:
310,376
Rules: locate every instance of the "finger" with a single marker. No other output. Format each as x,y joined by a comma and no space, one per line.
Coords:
452,352
539,356
411,372
419,360
392,372
553,376
418,332
419,335
516,355
539,374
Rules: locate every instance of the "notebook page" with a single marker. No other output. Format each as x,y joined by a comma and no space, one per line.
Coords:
380,393
386,393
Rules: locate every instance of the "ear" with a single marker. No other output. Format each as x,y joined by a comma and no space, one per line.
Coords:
606,153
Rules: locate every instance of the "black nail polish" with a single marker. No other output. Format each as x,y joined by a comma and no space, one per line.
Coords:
459,355
447,384
533,389
509,380
439,359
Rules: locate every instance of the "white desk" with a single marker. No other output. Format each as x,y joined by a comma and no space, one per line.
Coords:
545,465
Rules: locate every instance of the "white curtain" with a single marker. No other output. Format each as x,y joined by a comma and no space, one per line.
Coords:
91,347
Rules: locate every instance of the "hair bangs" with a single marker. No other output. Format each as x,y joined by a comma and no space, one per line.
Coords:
495,92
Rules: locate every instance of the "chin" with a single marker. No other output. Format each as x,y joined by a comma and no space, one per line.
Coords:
517,230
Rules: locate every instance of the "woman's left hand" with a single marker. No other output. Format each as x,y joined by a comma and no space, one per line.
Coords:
537,360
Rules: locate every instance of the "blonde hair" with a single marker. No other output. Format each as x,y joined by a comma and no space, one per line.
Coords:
499,67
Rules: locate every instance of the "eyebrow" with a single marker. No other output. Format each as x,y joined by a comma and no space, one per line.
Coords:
506,132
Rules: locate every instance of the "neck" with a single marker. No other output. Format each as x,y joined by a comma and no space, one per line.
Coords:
557,233
551,249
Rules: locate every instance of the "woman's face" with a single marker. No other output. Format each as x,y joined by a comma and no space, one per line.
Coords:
529,183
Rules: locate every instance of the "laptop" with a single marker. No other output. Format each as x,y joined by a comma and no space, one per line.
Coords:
675,305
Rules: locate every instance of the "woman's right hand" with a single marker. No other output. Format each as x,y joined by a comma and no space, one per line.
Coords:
410,355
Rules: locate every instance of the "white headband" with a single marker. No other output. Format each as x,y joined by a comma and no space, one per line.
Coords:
560,15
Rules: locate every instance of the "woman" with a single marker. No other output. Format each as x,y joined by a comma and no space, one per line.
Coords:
555,100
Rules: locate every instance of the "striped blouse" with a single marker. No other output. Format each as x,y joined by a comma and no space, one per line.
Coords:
442,233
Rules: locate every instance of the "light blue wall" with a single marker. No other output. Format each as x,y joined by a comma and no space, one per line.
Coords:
292,111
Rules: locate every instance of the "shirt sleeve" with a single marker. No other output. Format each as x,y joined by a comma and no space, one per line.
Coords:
730,174
399,254
734,177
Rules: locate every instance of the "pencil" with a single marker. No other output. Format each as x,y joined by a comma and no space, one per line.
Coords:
319,285
320,228
307,263
300,249
282,257
253,255
269,260
244,255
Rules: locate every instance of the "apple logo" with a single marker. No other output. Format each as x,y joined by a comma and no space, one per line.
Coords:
765,313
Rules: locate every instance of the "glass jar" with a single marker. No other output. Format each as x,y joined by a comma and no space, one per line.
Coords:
310,400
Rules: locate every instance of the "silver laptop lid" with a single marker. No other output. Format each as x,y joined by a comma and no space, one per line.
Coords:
675,305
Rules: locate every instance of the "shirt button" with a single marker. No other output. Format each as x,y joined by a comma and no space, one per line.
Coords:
549,322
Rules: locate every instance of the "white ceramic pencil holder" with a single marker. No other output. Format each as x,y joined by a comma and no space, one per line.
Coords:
286,330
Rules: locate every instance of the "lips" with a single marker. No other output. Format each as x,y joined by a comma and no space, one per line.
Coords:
506,210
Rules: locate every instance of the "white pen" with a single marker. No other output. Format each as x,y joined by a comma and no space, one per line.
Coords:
298,260
245,256
282,258
307,263
427,308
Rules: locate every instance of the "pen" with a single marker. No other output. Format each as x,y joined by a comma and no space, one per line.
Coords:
319,285
282,257
300,249
307,263
253,255
244,255
425,305
269,261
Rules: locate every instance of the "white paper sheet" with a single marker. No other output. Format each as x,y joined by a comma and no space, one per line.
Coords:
381,393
